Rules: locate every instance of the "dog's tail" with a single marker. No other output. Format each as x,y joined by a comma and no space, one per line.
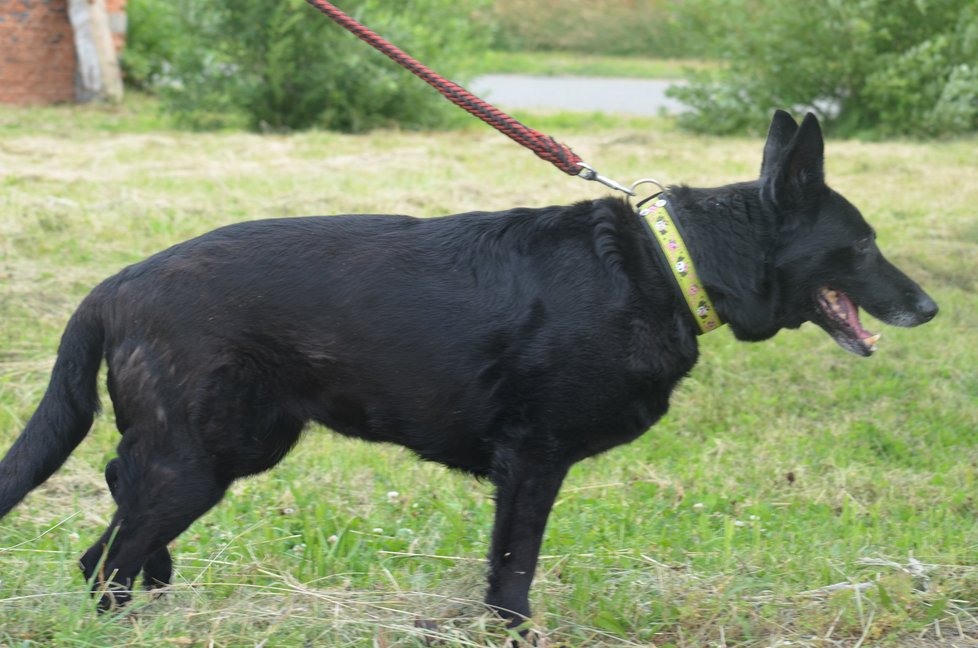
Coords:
66,411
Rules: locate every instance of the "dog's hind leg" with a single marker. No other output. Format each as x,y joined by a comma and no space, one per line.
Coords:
526,487
162,483
158,568
168,475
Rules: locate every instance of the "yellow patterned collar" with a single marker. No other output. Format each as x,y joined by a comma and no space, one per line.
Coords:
670,240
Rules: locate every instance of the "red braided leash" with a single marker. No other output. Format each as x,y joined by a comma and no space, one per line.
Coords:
544,146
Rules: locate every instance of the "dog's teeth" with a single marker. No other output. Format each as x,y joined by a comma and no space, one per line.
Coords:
872,339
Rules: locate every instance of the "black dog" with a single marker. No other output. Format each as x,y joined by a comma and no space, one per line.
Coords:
509,345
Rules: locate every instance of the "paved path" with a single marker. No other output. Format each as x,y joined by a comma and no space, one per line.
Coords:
624,96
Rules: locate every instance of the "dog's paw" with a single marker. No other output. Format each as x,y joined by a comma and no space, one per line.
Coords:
111,596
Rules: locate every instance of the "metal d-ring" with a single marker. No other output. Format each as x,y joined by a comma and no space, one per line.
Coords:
631,190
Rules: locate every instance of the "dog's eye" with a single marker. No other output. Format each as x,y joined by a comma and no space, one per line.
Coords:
864,245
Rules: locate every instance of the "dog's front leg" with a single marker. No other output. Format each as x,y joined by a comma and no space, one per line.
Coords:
526,487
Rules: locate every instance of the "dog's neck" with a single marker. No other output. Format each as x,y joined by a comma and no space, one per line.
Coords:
730,237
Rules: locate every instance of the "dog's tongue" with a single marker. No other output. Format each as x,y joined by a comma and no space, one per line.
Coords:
850,313
846,314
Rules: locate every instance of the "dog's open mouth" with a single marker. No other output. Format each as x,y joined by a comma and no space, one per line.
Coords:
840,318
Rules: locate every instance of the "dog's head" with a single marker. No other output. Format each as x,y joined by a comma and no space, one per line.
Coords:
825,256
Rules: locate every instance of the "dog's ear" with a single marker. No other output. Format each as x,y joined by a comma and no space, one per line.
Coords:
783,128
798,175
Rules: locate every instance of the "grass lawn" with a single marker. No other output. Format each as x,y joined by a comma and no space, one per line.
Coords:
795,493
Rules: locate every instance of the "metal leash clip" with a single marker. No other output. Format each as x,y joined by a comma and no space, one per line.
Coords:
588,173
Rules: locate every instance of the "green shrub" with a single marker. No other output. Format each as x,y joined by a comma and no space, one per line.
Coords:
283,66
154,36
884,67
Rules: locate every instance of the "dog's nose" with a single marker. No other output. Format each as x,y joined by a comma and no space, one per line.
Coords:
926,307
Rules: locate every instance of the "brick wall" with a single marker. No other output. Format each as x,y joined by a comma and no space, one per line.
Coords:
37,49
37,52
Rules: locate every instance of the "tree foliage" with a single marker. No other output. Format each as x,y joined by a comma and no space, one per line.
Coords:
282,65
887,67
